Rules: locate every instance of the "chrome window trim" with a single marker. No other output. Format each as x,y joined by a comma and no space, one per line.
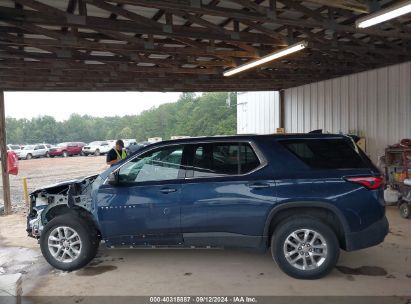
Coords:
257,151
260,156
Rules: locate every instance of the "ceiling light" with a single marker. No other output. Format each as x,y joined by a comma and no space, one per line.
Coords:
384,15
270,57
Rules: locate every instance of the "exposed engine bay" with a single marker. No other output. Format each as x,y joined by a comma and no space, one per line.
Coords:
72,194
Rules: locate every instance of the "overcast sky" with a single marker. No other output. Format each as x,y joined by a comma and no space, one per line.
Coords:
61,104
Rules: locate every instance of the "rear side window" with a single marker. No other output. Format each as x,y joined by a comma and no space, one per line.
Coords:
223,159
326,153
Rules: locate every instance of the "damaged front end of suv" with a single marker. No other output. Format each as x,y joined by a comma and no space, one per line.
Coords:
50,201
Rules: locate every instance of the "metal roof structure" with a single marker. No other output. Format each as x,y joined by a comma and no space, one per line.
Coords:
186,45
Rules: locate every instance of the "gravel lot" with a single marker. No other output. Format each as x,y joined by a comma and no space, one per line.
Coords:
45,171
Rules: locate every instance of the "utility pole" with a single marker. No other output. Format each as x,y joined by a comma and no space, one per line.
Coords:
3,151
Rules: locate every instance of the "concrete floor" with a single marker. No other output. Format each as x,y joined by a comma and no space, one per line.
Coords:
207,272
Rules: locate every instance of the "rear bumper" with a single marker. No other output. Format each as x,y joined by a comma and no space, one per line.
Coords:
371,236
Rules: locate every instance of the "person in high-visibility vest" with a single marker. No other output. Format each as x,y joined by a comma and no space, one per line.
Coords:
116,154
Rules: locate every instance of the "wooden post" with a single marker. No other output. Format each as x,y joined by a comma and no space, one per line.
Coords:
26,191
3,151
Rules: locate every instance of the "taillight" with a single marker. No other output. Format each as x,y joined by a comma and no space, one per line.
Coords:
369,182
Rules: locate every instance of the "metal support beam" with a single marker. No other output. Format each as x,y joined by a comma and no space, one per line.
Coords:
282,109
3,151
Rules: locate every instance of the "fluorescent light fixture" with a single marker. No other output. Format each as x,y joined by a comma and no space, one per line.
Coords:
267,58
384,15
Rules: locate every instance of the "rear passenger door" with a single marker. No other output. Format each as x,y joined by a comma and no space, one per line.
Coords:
227,195
39,150
72,148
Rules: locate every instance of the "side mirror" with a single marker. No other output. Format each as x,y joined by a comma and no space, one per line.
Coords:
113,179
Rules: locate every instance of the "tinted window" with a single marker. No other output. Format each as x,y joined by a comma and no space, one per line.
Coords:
162,164
326,153
223,159
248,159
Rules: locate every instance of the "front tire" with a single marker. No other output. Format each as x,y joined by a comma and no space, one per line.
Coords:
97,152
305,248
65,154
68,242
29,156
404,210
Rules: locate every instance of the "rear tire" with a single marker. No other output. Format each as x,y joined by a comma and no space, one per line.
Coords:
404,210
97,152
69,242
305,248
29,156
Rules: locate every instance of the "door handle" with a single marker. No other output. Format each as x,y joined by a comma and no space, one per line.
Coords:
168,190
259,186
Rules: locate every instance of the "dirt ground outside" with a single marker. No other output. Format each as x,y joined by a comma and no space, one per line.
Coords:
383,270
46,171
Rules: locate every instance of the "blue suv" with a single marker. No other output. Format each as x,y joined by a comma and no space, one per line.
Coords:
302,196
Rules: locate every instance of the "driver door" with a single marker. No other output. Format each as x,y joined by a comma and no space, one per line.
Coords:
143,207
39,151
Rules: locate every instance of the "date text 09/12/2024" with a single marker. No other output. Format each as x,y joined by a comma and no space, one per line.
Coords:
204,299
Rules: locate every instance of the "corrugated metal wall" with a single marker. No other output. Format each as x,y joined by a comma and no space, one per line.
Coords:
375,104
258,112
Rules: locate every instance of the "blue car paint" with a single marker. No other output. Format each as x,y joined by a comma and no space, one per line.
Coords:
228,210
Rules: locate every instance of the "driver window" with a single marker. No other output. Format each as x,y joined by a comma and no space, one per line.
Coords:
162,164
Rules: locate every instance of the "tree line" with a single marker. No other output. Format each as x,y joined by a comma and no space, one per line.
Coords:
191,115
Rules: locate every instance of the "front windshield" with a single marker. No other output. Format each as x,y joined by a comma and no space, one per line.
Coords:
28,147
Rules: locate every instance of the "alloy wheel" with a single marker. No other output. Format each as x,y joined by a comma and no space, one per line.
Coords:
64,244
305,249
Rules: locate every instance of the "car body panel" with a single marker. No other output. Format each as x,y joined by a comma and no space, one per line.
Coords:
148,216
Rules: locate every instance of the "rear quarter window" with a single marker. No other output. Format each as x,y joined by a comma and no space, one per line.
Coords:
326,153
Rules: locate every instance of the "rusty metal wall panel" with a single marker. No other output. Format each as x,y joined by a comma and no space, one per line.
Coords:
258,112
375,104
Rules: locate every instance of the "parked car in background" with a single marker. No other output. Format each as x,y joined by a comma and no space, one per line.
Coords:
128,142
15,148
96,148
67,149
301,196
35,151
134,147
111,142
